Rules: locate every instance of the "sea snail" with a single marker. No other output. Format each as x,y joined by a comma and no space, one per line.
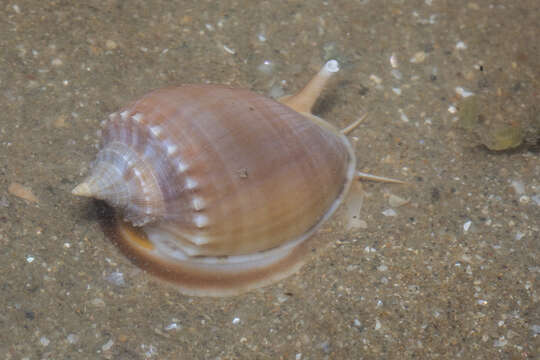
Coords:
218,189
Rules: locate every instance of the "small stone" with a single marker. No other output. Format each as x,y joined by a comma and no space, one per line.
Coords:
518,186
356,224
500,342
266,67
460,45
418,58
110,44
116,278
281,298
108,345
72,338
4,202
60,122
172,326
524,199
22,192
396,201
97,302
389,212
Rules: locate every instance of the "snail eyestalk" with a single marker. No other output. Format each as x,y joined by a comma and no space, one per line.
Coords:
304,100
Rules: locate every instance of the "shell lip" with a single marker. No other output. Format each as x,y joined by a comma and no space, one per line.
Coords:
192,280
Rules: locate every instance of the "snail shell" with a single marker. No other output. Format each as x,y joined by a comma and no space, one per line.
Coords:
218,189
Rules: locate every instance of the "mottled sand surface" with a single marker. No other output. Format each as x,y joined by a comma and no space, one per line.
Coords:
451,274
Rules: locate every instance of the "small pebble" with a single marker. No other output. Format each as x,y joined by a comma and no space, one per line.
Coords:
389,212
396,74
500,342
97,302
377,80
462,92
22,192
524,199
394,61
356,224
229,50
266,67
396,201
418,58
4,202
460,45
110,44
108,345
72,338
172,326
116,278
518,186
57,62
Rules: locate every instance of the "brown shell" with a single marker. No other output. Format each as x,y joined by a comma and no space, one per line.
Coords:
215,174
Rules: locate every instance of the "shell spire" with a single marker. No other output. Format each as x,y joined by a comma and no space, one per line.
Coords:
104,183
125,181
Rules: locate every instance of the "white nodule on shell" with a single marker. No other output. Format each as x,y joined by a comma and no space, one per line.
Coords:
182,166
137,117
171,149
191,183
198,203
112,116
156,130
199,240
124,114
200,220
